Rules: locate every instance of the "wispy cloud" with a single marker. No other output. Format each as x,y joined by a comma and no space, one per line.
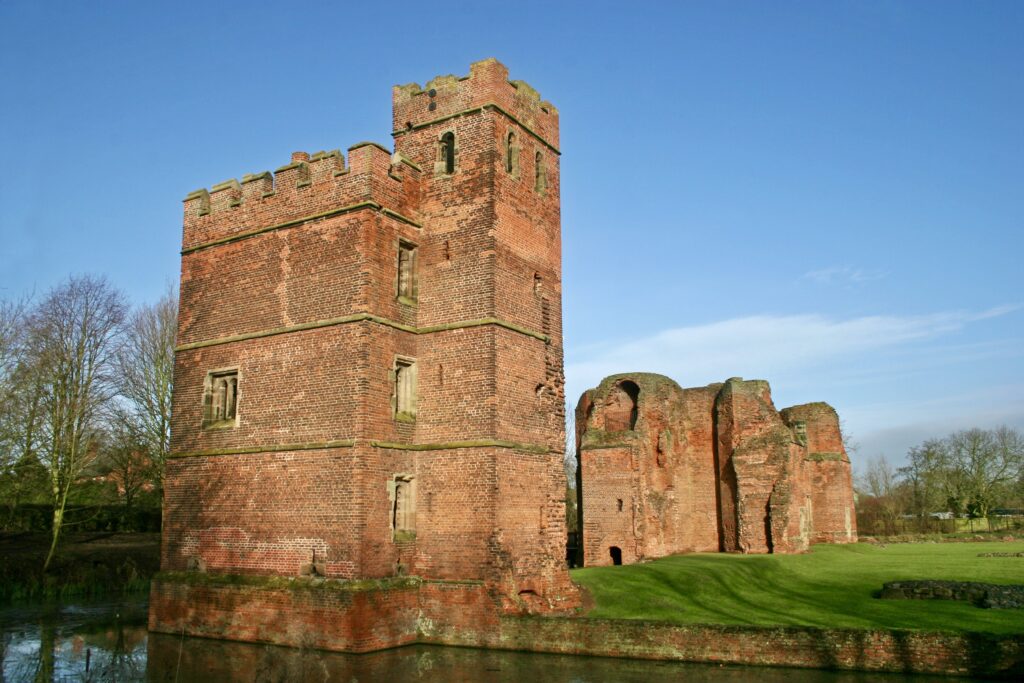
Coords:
844,276
770,346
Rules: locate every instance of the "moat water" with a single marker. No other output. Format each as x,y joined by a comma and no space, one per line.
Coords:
107,640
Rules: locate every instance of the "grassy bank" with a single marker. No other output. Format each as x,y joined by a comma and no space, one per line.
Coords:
832,586
85,565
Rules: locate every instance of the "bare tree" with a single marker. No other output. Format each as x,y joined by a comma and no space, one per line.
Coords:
73,336
19,410
145,369
880,482
924,477
125,459
981,462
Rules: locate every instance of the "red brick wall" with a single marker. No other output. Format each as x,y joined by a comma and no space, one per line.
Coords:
830,480
708,468
272,267
463,613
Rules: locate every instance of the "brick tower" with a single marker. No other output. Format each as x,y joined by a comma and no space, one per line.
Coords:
368,382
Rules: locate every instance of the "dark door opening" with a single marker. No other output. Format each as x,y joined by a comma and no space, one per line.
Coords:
616,553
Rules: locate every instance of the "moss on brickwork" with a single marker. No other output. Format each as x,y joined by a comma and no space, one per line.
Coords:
274,448
594,439
647,381
479,443
826,456
287,583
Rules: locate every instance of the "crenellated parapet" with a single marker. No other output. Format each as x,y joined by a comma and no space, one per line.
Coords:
487,85
308,188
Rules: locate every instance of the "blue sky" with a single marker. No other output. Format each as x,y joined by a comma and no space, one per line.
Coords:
829,196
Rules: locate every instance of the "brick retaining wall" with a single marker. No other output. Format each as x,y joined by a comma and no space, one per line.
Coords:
367,616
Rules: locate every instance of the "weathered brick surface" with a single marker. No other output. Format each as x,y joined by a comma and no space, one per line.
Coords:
292,280
665,470
365,618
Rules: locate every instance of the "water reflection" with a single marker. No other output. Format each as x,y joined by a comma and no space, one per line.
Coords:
95,641
107,641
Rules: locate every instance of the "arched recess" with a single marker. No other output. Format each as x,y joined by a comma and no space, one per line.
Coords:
621,410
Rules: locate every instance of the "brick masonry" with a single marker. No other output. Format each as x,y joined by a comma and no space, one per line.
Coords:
291,286
360,618
665,470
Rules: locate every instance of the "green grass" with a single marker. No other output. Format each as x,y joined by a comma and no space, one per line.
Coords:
830,587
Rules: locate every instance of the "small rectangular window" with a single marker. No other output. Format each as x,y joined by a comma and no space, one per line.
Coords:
402,490
407,271
403,505
220,399
405,389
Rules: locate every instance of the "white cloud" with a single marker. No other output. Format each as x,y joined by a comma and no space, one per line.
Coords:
758,346
887,375
842,275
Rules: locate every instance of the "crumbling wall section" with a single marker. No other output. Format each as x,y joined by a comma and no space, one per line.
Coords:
665,470
829,475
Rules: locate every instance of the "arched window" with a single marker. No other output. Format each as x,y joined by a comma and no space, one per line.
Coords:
511,154
540,175
446,153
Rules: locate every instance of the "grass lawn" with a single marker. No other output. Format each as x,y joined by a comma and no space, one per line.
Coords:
831,586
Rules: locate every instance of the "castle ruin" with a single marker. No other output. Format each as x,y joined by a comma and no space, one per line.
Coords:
368,412
665,470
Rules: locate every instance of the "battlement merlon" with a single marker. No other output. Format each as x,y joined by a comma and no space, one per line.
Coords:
307,188
445,97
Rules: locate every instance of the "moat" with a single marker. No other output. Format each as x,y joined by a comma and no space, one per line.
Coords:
107,640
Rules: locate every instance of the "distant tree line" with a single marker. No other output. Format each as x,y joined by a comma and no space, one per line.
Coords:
972,474
85,401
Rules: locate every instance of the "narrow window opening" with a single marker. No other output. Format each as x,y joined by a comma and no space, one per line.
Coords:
446,153
405,389
406,271
540,177
616,553
538,283
511,154
220,398
403,507
618,504
447,251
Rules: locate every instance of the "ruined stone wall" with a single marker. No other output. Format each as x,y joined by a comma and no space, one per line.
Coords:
710,468
314,297
829,475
